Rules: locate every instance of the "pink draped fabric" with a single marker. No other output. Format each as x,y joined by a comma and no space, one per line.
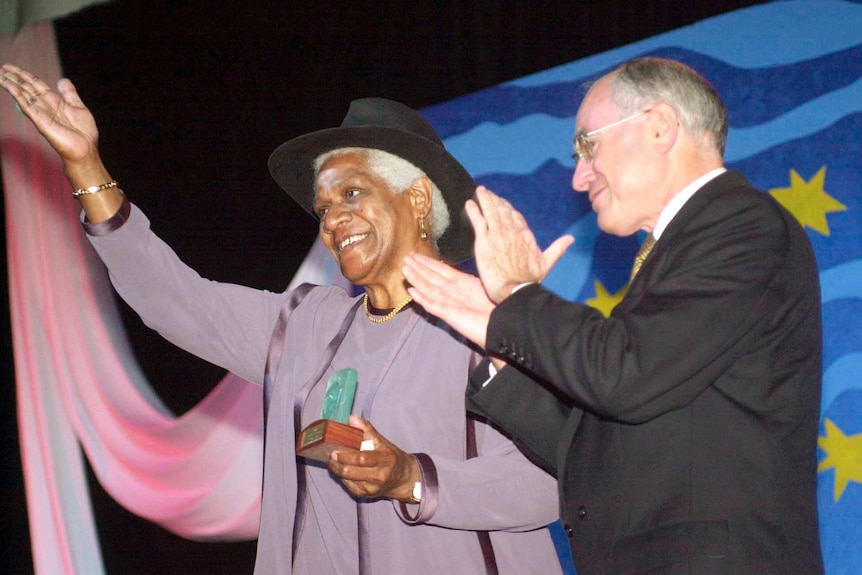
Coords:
78,384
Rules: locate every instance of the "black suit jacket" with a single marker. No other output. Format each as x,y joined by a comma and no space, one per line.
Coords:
682,429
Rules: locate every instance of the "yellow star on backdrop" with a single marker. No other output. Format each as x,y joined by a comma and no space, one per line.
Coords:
604,301
808,201
844,454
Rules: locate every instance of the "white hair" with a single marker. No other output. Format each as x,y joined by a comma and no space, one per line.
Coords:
641,81
400,175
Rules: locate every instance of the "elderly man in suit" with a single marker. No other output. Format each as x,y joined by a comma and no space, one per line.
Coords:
682,429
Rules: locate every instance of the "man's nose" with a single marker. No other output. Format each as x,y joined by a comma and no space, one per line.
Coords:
583,176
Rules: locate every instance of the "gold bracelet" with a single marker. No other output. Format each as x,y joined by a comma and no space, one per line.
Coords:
94,189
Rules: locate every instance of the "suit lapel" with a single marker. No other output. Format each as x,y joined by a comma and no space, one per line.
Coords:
707,194
704,196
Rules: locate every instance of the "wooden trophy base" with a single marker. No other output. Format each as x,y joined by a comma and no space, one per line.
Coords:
323,436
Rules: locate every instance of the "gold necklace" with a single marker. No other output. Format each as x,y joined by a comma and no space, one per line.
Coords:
389,315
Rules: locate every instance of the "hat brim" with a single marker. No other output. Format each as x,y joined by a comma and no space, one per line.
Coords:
292,166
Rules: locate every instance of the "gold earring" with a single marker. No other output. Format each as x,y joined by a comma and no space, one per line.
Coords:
422,234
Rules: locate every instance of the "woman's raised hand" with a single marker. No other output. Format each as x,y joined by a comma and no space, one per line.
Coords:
61,117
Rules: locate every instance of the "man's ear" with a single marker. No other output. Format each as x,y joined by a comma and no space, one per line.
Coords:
664,126
421,196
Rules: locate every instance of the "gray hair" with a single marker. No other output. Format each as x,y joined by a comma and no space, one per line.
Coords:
642,81
400,175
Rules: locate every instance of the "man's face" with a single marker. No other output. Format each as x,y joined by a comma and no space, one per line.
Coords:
622,179
365,224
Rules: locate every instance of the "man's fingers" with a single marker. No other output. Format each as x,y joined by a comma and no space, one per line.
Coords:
421,278
433,285
434,270
555,251
477,219
427,276
500,215
490,200
488,203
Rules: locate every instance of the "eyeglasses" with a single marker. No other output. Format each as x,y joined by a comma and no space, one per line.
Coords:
585,147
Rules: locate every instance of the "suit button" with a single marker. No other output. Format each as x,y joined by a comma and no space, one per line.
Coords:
569,531
582,512
504,346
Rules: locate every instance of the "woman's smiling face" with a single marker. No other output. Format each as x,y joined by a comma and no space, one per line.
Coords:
367,226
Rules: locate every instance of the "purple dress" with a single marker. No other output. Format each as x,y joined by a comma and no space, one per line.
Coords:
412,375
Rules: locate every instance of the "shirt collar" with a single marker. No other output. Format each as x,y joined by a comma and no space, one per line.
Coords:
678,201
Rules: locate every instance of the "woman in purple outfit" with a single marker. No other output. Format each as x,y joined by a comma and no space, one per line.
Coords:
383,187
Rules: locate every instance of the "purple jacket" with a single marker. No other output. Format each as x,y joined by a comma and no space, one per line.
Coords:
418,404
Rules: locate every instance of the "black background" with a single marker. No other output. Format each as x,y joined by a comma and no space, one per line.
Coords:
191,98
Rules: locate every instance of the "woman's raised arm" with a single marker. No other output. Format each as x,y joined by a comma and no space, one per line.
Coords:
69,127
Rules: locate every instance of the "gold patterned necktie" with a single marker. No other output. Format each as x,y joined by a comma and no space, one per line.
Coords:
642,255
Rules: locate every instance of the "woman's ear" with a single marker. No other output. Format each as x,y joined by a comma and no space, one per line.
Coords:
421,197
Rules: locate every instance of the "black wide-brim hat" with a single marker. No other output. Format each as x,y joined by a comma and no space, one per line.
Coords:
395,128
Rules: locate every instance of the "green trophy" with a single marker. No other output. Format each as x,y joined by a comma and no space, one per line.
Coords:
331,431
340,391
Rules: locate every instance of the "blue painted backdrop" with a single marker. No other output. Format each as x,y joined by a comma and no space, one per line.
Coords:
790,73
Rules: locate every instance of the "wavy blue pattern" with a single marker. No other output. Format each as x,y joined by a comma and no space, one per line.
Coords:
569,277
843,281
842,332
841,376
527,143
753,96
531,140
773,34
836,148
809,118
